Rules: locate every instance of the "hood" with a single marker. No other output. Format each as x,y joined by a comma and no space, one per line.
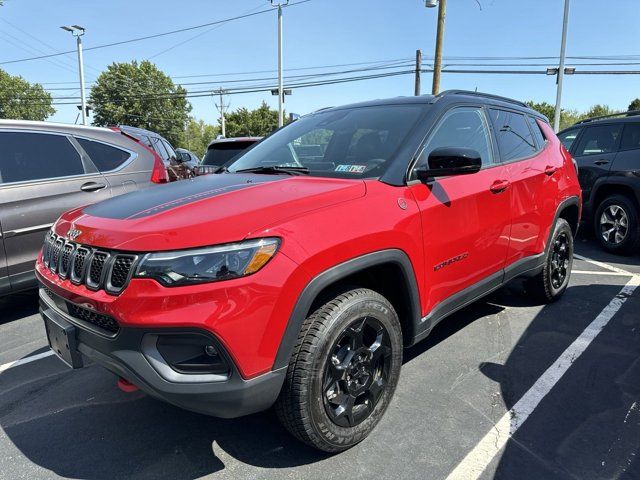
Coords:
207,210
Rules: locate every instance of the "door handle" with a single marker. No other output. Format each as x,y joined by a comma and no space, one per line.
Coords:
601,162
499,186
92,187
550,170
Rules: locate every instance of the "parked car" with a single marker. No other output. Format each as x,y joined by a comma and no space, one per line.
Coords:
222,150
188,158
299,285
176,170
48,168
607,150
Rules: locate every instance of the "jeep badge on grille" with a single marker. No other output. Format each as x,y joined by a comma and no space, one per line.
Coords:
73,232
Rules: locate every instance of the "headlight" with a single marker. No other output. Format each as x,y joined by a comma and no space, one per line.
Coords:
210,264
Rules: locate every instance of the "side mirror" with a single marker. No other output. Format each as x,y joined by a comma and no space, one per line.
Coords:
447,161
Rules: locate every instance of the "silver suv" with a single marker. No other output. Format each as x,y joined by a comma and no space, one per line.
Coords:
48,168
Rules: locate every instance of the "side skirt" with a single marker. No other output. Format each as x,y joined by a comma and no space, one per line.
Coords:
526,267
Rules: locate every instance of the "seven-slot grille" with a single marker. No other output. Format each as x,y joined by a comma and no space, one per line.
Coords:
84,265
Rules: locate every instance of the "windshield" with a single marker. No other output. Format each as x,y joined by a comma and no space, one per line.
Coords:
220,153
348,143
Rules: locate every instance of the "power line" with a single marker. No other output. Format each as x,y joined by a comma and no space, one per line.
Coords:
157,35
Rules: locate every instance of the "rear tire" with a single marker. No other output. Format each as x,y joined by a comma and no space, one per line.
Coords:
343,371
616,225
549,285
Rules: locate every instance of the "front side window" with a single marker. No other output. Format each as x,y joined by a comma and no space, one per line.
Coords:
513,135
358,142
37,156
461,127
598,140
631,137
567,138
104,157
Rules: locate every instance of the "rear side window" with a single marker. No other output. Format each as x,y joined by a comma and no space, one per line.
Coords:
537,132
631,137
37,156
567,138
598,140
513,135
159,148
169,149
103,156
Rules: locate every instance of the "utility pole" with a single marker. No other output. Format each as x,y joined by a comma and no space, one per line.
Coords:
561,72
418,71
437,63
221,108
78,31
279,5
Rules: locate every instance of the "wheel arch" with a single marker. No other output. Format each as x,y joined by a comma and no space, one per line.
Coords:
399,287
607,188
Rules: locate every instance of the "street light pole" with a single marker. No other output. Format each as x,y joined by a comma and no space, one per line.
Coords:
563,47
280,74
437,62
78,31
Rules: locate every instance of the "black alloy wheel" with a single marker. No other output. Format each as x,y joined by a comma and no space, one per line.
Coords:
357,372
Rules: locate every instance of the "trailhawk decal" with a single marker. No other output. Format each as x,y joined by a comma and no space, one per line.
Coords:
455,259
156,199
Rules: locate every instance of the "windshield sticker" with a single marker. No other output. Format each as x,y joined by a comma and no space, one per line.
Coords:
351,168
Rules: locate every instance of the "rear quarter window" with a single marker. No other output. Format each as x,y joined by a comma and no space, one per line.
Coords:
103,156
567,138
537,132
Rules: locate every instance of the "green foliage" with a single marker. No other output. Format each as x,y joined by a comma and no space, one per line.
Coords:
259,122
635,105
22,100
141,95
567,117
198,135
599,111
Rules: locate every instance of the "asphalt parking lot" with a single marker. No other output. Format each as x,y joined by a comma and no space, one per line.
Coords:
504,389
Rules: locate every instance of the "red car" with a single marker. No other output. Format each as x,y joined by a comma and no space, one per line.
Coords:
297,276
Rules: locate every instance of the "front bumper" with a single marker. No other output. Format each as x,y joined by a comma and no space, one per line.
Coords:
131,354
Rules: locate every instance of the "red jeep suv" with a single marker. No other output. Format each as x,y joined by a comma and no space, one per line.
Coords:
296,276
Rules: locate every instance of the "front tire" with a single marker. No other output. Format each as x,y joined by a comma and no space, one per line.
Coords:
343,371
549,285
617,225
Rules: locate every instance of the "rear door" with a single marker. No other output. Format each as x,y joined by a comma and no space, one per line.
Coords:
42,175
594,152
112,163
627,161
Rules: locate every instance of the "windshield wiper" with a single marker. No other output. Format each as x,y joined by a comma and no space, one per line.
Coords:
275,170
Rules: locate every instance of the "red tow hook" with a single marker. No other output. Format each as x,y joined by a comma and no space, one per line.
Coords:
126,386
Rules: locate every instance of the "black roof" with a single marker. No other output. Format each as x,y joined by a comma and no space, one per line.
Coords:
448,96
620,117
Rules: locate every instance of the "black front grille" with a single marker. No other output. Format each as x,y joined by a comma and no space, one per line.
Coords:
84,265
96,267
100,320
120,271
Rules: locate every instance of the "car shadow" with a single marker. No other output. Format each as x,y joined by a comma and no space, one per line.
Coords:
588,425
18,305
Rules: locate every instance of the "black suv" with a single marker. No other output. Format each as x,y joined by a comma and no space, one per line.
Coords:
607,150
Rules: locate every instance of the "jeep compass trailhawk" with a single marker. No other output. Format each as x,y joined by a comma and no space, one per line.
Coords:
295,276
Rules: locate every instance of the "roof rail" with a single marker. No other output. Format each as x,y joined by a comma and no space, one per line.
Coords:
630,113
485,95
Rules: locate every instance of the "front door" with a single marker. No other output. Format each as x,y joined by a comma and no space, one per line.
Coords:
465,218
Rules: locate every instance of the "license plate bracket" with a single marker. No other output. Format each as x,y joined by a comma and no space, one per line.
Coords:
62,337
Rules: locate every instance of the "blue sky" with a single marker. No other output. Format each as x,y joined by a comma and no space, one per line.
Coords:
321,33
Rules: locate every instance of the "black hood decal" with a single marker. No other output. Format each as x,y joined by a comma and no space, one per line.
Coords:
156,199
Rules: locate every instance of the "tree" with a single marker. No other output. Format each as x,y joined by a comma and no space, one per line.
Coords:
259,122
140,95
599,111
21,100
198,135
567,117
635,105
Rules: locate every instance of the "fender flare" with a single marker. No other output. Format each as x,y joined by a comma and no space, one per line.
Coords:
573,201
336,273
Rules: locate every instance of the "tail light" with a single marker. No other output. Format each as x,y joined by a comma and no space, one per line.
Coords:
158,172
